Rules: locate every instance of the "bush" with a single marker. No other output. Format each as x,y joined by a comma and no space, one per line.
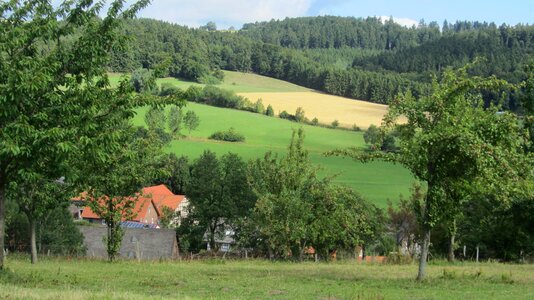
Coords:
285,115
168,89
314,122
335,124
269,111
209,79
228,136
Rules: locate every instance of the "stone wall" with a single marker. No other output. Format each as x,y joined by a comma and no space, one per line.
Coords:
138,243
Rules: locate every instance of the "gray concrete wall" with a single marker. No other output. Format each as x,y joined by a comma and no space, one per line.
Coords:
138,243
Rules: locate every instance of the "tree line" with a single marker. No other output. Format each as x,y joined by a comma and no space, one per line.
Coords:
359,58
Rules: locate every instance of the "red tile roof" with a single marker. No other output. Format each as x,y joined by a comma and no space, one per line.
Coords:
155,196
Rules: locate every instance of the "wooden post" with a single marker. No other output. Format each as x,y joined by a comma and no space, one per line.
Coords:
477,254
464,251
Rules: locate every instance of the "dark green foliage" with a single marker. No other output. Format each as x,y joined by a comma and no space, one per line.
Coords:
168,89
269,111
299,115
314,122
352,57
219,195
372,135
174,173
175,120
335,124
228,136
191,121
155,118
59,234
56,102
259,108
217,97
56,233
297,210
143,81
285,115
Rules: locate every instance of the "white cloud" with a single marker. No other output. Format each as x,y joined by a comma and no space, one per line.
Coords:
228,12
401,21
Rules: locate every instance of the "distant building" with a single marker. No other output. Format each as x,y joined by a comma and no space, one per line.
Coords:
149,208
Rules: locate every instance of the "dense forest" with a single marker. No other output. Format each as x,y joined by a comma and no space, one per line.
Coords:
354,57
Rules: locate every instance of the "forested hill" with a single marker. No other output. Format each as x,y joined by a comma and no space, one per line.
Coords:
357,58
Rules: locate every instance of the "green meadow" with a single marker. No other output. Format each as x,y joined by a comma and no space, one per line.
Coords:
376,181
260,279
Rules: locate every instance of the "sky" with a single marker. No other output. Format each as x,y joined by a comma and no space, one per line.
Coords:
226,13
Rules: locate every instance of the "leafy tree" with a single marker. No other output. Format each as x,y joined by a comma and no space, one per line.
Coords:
299,115
455,145
210,26
259,108
155,118
269,111
296,209
335,124
143,81
59,234
191,121
315,121
175,120
35,199
113,185
372,136
50,119
175,173
218,193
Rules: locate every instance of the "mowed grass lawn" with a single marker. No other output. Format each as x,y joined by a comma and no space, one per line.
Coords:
376,181
258,279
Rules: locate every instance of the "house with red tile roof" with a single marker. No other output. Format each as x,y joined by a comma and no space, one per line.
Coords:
149,206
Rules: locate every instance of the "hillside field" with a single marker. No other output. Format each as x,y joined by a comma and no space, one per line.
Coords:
258,279
376,181
286,96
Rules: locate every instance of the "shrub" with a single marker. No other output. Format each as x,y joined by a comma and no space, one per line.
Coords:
228,136
314,122
269,111
168,89
258,107
299,115
335,124
285,115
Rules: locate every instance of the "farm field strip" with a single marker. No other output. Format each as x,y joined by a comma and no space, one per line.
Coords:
326,108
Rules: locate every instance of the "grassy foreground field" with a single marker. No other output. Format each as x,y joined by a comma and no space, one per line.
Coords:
256,279
377,181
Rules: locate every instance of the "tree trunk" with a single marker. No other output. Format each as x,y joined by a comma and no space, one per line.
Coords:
450,256
424,255
2,221
452,236
33,240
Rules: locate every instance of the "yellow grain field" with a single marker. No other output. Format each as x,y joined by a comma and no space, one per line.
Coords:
326,108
